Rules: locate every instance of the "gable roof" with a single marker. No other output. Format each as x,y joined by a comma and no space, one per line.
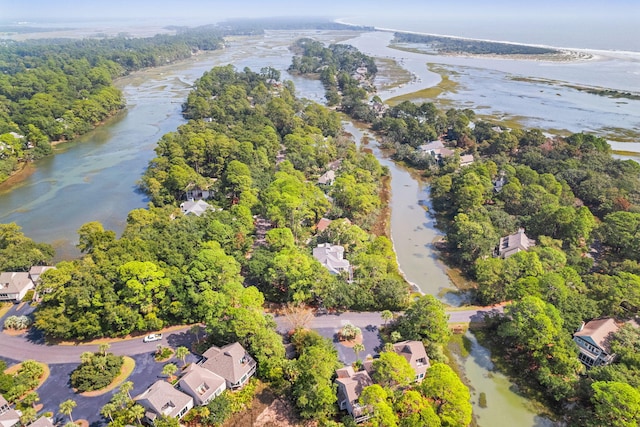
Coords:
323,224
327,178
8,416
514,243
37,270
353,382
200,382
231,362
598,332
163,399
15,283
415,353
197,207
331,256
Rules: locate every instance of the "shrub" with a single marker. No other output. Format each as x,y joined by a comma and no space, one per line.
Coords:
17,322
96,372
163,353
28,296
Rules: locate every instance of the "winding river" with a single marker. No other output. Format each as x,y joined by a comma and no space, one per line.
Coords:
94,179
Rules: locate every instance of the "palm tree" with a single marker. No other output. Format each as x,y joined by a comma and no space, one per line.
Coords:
169,369
386,316
137,412
395,336
181,353
28,414
195,330
108,409
31,399
67,406
86,357
126,387
104,348
357,348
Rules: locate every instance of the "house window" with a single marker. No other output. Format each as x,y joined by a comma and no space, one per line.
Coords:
585,359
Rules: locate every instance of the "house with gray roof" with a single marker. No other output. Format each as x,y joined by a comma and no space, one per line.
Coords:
350,386
327,178
15,285
415,353
514,243
201,384
332,258
162,399
231,362
9,417
593,341
194,207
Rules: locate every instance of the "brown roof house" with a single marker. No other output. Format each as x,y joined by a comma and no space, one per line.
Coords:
201,384
350,386
162,399
593,341
231,362
8,417
14,286
332,257
416,355
514,243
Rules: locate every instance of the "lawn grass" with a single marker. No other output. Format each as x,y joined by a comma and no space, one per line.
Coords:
4,308
128,366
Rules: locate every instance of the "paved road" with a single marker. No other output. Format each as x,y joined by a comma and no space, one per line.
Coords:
32,346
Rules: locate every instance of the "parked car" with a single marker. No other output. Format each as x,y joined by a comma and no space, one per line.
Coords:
152,337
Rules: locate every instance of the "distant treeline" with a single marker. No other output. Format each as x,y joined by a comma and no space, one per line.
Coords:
257,26
477,47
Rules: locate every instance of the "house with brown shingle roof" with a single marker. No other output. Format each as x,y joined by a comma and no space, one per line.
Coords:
350,386
162,399
415,353
593,341
201,384
15,285
514,243
231,362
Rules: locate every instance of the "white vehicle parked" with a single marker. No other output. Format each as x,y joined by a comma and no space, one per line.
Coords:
152,337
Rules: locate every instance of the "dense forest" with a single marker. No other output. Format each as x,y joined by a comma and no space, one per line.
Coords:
52,90
581,206
438,44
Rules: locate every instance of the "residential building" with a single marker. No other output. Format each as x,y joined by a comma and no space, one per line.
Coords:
37,270
350,386
437,150
201,384
14,286
194,207
162,399
332,257
327,178
593,341
197,193
42,422
231,362
466,160
9,417
514,243
415,353
324,223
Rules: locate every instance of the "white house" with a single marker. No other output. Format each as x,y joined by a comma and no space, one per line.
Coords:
593,341
15,285
201,384
8,417
332,257
514,243
162,399
194,207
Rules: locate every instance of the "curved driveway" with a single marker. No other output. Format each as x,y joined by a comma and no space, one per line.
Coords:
24,347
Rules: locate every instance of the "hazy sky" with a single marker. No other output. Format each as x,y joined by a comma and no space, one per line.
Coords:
211,11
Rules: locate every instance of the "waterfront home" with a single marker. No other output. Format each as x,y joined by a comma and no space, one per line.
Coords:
231,362
201,384
332,258
437,150
350,386
593,341
194,207
415,353
15,285
162,399
514,243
